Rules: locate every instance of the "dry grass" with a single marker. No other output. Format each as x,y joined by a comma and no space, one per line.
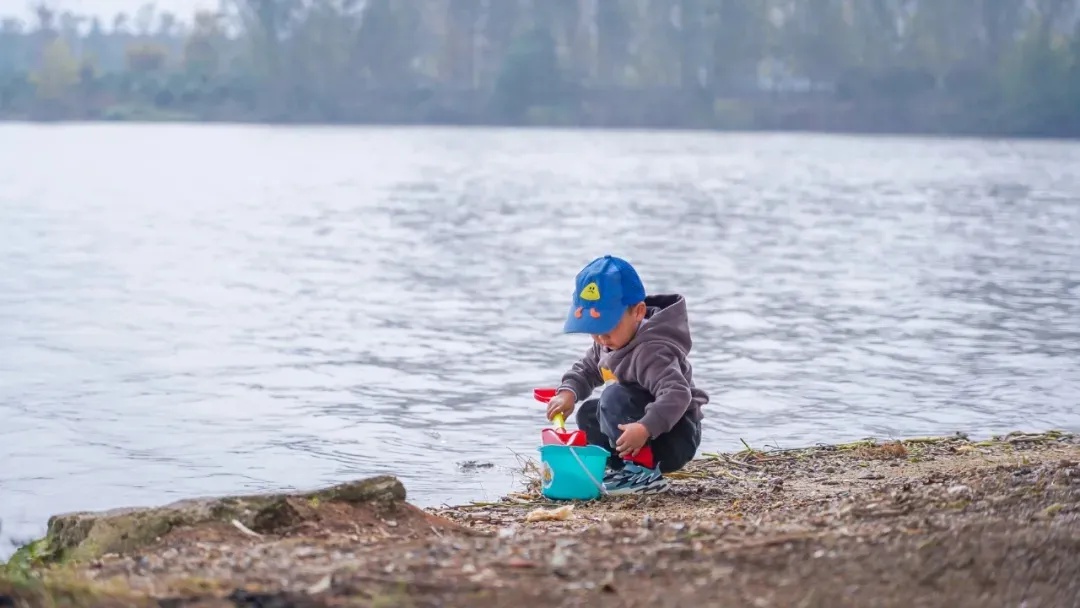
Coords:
532,479
885,451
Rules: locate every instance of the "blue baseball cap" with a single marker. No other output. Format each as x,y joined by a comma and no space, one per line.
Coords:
602,292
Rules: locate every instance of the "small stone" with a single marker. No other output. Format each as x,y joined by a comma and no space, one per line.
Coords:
322,586
578,585
559,560
959,489
520,562
485,575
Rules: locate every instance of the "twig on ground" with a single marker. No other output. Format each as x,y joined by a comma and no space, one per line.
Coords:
246,530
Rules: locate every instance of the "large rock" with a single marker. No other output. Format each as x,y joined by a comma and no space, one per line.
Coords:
85,536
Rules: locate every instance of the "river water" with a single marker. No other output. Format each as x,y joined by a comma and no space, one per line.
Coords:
200,310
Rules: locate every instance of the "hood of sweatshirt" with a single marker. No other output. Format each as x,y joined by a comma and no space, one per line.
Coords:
665,321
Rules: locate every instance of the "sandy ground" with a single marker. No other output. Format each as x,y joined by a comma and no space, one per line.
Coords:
923,522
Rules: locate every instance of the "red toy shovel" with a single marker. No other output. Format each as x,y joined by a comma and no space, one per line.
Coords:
558,435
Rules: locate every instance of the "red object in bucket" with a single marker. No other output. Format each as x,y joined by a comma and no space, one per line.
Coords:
558,435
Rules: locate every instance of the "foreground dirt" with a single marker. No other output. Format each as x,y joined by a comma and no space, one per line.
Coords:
923,522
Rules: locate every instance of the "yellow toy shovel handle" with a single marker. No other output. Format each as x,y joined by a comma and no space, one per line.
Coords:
559,422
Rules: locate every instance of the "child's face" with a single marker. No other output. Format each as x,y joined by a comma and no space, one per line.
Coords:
624,331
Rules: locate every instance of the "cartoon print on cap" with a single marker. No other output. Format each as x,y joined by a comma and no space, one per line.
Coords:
591,293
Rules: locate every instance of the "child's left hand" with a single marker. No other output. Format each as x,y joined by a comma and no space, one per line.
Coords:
633,438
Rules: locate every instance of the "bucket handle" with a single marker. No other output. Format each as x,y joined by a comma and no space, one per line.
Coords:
573,452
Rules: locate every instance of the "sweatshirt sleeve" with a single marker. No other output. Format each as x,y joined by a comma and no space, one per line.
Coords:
662,376
584,376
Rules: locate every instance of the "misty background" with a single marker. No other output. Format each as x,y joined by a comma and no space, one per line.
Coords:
962,66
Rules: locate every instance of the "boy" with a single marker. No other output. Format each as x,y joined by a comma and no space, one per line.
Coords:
651,414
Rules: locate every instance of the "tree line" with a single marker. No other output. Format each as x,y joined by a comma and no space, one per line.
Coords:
936,66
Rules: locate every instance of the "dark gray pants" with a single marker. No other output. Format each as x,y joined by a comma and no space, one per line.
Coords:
625,403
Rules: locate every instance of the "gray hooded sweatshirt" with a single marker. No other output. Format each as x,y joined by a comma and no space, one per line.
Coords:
656,359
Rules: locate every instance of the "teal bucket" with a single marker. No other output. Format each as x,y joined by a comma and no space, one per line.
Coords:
572,473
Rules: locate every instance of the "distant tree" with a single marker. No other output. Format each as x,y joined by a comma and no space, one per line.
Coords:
529,76
58,73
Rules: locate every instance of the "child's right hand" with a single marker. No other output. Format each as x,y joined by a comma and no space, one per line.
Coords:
561,403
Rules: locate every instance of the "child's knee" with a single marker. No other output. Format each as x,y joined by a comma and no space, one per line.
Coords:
586,413
621,400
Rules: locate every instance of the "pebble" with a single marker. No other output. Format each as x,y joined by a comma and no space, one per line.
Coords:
520,562
323,585
559,559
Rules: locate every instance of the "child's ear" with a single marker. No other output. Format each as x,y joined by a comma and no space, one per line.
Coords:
639,311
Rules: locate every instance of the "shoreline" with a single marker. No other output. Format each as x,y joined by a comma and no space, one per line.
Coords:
934,521
922,134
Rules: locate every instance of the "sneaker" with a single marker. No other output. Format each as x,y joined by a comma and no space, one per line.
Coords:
635,479
613,474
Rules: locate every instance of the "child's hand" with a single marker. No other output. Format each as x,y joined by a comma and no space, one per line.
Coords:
562,403
633,438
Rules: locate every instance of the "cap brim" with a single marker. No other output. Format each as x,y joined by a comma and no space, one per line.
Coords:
587,324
